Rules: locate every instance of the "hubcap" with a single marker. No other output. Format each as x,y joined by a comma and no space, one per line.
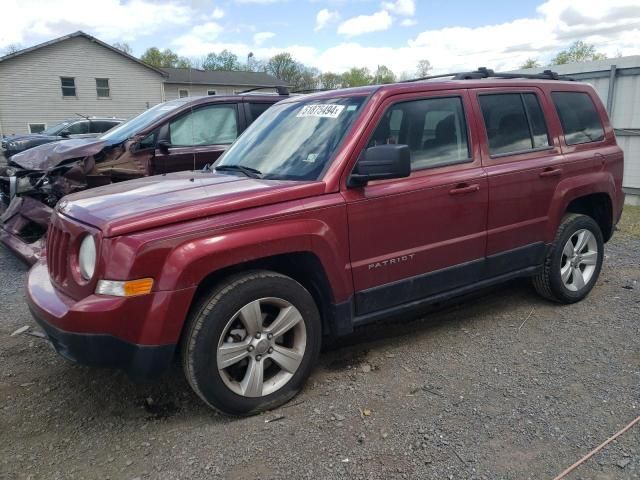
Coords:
579,259
261,347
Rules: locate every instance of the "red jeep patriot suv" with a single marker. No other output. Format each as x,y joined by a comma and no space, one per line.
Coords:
332,211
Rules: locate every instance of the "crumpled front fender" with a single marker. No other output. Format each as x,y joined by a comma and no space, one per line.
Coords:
23,226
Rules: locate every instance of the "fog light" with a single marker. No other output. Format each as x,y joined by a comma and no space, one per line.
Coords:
128,288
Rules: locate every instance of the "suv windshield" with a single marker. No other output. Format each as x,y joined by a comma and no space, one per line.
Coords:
293,140
55,129
129,128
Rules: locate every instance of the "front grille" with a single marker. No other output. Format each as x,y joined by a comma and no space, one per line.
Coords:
57,253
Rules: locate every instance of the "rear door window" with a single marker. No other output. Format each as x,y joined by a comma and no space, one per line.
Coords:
579,117
212,125
434,129
514,122
77,128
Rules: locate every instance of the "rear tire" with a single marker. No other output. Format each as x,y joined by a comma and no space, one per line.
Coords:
573,262
252,343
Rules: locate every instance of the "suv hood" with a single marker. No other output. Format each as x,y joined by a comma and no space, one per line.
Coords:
49,155
156,201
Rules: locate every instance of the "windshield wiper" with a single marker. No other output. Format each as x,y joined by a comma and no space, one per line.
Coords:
248,171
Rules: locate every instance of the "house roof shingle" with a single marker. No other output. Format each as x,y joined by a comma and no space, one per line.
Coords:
221,77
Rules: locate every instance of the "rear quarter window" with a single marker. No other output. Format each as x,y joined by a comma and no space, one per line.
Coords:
579,117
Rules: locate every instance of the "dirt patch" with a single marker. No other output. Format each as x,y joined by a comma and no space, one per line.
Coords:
502,386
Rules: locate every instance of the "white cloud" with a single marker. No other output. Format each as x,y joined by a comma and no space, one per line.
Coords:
408,22
324,17
217,14
115,20
261,37
401,7
361,24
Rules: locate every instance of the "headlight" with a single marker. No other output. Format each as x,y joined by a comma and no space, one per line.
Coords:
87,257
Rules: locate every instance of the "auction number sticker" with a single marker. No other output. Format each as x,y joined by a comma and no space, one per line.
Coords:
324,111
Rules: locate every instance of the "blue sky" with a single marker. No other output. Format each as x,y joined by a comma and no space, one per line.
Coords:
336,34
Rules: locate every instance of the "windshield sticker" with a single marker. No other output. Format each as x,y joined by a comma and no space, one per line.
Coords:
351,108
324,111
311,158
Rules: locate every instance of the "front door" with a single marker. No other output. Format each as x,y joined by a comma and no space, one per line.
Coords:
414,237
196,138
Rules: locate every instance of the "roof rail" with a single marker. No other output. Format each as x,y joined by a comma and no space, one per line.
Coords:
281,90
312,90
484,72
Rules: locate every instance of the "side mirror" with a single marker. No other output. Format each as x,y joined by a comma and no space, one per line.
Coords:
64,134
381,162
163,146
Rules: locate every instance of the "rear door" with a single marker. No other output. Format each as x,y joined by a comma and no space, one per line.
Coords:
196,138
524,164
414,237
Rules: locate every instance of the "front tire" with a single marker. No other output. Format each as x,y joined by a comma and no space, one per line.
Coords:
252,343
573,262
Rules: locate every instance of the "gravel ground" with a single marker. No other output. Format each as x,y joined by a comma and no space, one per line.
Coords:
502,386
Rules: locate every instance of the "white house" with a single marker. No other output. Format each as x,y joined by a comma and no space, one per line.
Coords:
79,74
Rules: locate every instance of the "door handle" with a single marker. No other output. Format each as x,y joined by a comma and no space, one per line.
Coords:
464,188
551,172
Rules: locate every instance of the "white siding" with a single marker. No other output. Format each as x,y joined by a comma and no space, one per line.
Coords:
30,90
171,90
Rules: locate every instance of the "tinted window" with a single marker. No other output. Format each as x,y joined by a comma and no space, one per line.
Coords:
536,120
579,117
258,109
101,126
434,129
514,122
205,126
77,128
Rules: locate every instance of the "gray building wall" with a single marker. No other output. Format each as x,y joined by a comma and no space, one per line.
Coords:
617,81
195,90
30,90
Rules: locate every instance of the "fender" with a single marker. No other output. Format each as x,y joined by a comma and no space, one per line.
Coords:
192,260
571,188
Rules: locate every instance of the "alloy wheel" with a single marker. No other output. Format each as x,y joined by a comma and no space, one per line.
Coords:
579,260
261,347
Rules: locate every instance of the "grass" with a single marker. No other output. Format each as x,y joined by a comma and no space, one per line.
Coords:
630,221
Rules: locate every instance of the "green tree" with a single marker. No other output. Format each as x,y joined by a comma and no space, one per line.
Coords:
384,74
330,80
530,63
423,68
579,51
284,67
165,58
225,60
357,77
309,78
123,47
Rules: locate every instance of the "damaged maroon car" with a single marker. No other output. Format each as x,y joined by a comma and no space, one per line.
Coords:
183,134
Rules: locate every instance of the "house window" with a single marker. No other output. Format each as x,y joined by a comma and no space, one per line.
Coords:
37,127
211,92
183,93
68,86
102,87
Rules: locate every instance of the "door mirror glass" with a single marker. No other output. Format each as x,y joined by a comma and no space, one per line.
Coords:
381,162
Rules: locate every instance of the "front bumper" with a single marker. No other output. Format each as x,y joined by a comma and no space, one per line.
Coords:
112,332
